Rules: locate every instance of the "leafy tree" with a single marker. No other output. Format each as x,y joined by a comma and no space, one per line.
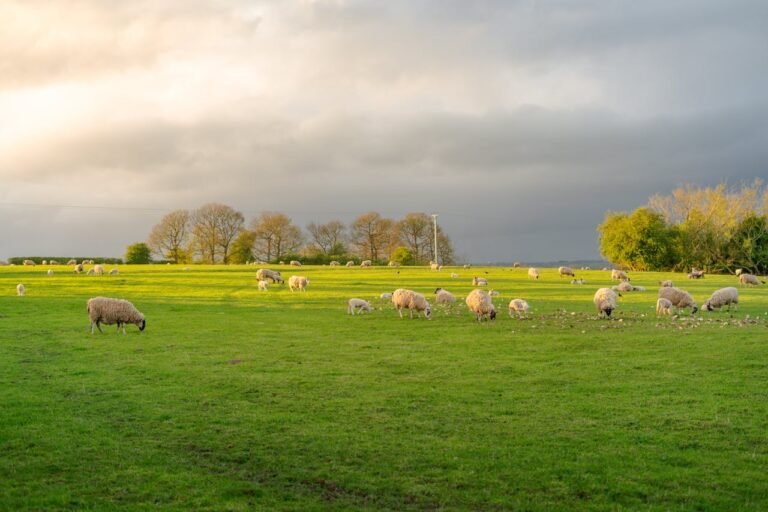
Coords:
275,236
748,248
138,253
242,247
168,237
640,241
403,256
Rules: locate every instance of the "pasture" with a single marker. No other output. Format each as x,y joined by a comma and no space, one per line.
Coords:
235,399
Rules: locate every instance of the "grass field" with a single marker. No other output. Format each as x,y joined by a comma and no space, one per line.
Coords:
234,399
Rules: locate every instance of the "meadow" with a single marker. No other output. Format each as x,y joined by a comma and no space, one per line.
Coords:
235,399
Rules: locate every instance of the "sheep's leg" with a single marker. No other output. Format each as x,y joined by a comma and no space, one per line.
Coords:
400,310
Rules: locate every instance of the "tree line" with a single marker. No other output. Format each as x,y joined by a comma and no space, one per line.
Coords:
718,229
217,233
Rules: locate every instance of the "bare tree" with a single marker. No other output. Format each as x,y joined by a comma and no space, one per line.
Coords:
415,232
372,233
215,226
276,236
168,237
328,238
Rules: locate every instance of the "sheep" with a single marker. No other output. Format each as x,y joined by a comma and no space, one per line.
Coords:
385,296
408,299
605,300
28,263
624,286
666,283
44,262
393,264
263,285
533,273
358,305
565,271
467,265
434,266
366,263
454,275
272,275
298,283
479,281
722,297
749,279
480,303
444,296
50,271
110,311
78,268
679,298
72,262
577,281
739,271
114,272
493,293
334,263
696,274
619,275
350,263
295,263
53,262
91,272
20,290
516,264
98,270
518,306
663,307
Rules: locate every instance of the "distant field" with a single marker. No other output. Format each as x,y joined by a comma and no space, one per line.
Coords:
235,399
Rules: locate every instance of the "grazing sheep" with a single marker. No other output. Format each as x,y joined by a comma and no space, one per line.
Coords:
696,274
385,295
114,311
334,263
263,285
53,262
114,272
366,263
20,290
749,279
50,271
681,299
411,300
355,306
663,307
350,263
480,303
516,264
518,306
577,281
393,264
479,281
295,263
722,297
273,275
493,293
467,265
533,273
624,286
444,296
605,300
28,263
666,283
98,270
72,262
298,283
91,272
434,266
78,268
565,271
619,275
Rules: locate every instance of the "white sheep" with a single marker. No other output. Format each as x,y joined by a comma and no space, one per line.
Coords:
480,303
350,263
263,285
679,298
663,307
272,275
78,268
53,262
298,283
533,273
666,284
91,272
72,262
28,263
385,296
295,263
50,271
20,290
98,270
494,293
619,275
434,266
577,281
479,281
605,300
565,271
114,311
393,264
366,263
722,297
749,279
334,263
696,274
355,306
519,306
444,296
114,272
625,286
467,265
411,300
739,271
454,275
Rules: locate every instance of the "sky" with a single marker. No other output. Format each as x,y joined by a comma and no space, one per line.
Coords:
519,122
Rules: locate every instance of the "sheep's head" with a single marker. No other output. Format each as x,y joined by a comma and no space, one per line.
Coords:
492,316
608,311
428,312
437,289
142,324
707,306
694,309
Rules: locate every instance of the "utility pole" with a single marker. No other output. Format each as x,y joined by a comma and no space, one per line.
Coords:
434,221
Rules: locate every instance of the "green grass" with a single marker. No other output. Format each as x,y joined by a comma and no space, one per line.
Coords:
234,399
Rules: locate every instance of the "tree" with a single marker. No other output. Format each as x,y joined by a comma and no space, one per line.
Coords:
748,248
640,241
215,226
242,247
416,232
168,237
138,253
328,238
372,233
275,236
403,256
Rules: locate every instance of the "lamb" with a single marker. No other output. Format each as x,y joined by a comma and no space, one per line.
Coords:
91,272
393,264
366,263
350,263
263,285
722,297
619,275
679,298
666,283
385,296
358,305
114,311
605,299
444,296
749,279
434,266
467,265
411,300
518,306
624,286
696,274
295,263
20,290
334,263
533,273
98,270
50,271
480,303
565,271
114,272
577,281
273,275
298,283
663,307
78,268
479,281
